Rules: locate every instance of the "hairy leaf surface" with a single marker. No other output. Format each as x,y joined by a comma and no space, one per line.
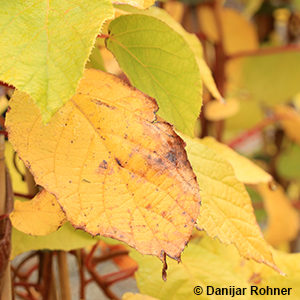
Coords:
114,169
45,45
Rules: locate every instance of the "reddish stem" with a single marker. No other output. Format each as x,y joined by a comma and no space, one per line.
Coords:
103,36
112,278
3,132
249,133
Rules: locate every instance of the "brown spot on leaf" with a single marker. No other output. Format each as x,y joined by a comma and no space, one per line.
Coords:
103,164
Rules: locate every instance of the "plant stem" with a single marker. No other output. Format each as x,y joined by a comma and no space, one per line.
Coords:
63,275
6,287
220,63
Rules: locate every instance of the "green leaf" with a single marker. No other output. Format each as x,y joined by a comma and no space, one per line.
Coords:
288,164
207,262
159,61
95,60
268,79
66,238
44,46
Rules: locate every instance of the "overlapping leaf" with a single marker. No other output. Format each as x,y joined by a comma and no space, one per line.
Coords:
45,45
226,209
245,170
114,169
158,60
209,263
40,216
65,238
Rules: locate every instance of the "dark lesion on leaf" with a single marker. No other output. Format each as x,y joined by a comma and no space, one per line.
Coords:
103,164
171,156
119,162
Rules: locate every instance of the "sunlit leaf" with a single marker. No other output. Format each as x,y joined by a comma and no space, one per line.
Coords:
40,216
115,170
226,209
283,219
158,60
209,263
45,45
245,170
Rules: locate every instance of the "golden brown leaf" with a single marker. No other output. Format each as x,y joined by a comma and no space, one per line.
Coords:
114,169
39,216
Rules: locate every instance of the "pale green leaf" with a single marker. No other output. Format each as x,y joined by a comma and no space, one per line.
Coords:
44,46
66,238
288,164
159,61
267,79
207,262
96,60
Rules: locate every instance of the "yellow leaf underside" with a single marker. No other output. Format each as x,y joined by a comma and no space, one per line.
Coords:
40,216
114,170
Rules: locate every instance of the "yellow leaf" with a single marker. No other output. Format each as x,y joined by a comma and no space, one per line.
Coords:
226,209
136,3
283,219
131,296
217,110
40,216
207,262
175,9
239,34
205,72
115,170
290,121
245,170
